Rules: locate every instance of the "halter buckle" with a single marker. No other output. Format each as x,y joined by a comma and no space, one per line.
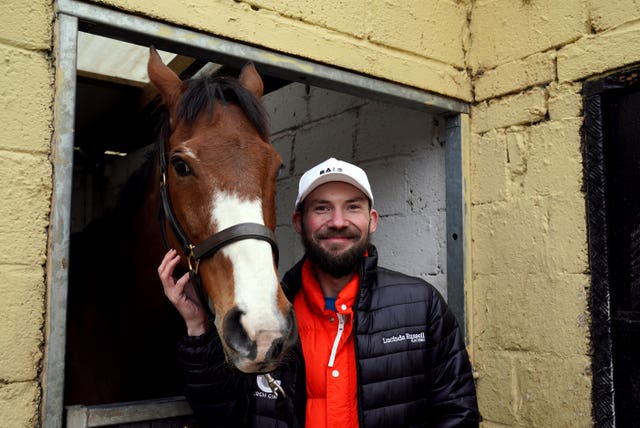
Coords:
192,261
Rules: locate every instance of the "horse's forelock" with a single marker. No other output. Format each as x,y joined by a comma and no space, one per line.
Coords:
202,94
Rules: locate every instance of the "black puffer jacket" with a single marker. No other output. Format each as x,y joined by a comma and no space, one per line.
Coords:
413,368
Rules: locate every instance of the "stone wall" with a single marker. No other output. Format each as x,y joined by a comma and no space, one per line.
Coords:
530,320
26,95
520,64
418,43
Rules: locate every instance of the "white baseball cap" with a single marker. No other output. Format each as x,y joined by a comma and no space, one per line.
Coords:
333,170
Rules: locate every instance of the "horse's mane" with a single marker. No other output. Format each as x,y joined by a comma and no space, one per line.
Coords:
202,94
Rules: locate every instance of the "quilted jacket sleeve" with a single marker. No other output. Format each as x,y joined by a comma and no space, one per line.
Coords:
452,392
215,392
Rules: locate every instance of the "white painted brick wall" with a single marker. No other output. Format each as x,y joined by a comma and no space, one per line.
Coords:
403,154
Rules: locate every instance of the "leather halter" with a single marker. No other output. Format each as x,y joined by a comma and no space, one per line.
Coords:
215,242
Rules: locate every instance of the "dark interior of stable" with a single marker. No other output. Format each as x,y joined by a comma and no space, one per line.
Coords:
116,126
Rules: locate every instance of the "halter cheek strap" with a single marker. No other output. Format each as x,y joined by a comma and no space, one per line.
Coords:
212,244
215,242
236,233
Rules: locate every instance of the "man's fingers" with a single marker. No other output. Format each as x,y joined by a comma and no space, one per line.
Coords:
168,265
182,282
166,259
186,288
181,292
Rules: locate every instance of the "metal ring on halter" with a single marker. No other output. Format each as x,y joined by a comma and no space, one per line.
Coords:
192,261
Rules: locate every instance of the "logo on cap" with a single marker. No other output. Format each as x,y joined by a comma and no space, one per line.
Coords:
333,169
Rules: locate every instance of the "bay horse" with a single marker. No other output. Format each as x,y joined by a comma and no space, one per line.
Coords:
213,179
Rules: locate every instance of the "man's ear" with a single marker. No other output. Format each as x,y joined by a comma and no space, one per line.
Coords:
373,220
296,221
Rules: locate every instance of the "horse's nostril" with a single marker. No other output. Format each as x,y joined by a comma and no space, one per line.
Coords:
276,349
236,336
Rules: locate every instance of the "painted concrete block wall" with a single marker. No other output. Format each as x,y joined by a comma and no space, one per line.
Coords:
402,152
26,95
523,66
530,319
360,35
517,45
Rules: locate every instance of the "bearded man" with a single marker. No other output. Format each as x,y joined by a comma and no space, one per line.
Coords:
376,348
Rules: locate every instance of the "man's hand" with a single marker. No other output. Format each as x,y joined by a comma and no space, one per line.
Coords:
183,295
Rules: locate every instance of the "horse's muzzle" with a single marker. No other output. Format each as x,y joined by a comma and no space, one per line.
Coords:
262,353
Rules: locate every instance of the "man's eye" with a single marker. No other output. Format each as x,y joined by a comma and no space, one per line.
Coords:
181,167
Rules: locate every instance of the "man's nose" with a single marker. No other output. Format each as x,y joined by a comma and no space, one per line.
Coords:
338,219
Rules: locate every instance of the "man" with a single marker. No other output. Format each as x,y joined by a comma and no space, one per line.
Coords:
377,348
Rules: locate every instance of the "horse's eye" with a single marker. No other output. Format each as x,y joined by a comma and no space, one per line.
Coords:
182,168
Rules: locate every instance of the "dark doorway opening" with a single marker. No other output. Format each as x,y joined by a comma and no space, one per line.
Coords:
612,161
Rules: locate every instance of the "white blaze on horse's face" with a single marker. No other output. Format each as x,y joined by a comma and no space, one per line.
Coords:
255,280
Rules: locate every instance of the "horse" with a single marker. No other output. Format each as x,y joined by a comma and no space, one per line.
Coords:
211,182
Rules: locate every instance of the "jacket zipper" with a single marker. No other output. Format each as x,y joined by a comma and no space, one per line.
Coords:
336,341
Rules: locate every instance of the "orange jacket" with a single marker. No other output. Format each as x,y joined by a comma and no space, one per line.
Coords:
329,354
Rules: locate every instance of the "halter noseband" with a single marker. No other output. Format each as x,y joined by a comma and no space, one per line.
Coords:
215,242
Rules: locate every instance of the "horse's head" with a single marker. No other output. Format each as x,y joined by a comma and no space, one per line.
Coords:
220,172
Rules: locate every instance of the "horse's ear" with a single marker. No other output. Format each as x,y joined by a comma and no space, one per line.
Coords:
251,80
164,79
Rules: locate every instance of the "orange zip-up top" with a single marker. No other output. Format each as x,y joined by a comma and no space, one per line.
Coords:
329,354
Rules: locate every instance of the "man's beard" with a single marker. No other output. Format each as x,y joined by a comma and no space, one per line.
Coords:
337,265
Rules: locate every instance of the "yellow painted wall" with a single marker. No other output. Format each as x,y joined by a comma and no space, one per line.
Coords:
26,95
519,63
418,43
529,245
